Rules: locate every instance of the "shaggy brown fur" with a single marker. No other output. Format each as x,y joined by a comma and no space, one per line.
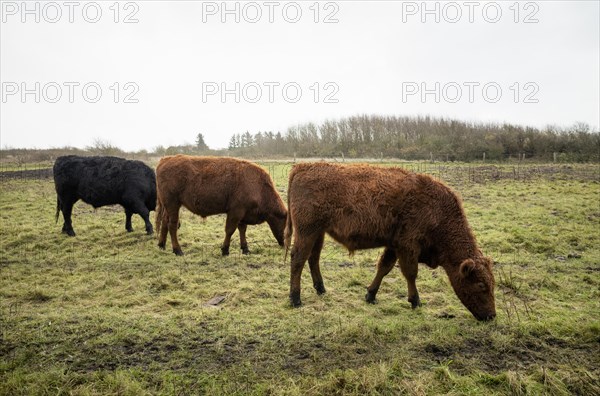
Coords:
416,218
207,186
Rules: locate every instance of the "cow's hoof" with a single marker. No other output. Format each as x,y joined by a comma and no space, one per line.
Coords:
295,300
70,233
149,231
415,302
245,250
225,251
295,303
161,245
370,298
320,288
178,252
129,229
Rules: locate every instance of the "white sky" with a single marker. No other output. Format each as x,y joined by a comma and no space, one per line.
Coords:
374,53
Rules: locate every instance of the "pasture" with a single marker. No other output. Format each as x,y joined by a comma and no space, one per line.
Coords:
107,312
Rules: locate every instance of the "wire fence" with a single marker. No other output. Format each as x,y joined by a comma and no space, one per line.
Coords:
447,171
469,173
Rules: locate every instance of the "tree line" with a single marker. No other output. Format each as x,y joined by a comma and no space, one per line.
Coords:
374,136
422,138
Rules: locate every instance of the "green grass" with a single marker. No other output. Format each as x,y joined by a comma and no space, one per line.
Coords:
108,312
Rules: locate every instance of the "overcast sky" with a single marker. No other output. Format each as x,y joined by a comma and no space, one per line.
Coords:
536,64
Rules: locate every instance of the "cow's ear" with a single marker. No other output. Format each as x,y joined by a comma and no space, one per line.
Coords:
467,267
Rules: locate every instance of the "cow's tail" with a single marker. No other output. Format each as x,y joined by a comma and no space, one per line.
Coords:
289,227
159,216
57,209
287,235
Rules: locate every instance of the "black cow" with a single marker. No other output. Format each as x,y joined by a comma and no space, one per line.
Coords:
101,181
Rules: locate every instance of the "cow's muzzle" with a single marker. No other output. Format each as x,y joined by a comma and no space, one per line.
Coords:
486,317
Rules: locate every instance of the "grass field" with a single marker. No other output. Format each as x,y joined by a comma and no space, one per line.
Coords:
107,312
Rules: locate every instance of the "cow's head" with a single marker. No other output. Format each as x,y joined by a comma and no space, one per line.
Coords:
277,225
474,286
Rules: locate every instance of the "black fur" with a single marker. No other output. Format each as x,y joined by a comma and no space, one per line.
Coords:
101,181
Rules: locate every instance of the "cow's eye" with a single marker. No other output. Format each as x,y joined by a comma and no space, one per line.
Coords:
482,286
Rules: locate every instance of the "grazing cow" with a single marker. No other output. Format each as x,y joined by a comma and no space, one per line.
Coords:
101,181
414,217
209,185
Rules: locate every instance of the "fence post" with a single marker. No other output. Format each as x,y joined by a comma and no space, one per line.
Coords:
554,156
484,156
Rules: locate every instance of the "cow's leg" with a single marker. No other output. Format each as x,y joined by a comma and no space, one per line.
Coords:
145,215
300,252
384,266
137,206
128,214
410,268
313,263
66,205
243,242
173,218
232,222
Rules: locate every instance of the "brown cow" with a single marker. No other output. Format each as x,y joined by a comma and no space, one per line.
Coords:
416,218
207,186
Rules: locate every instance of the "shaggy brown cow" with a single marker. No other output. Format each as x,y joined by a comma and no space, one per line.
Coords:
207,186
416,218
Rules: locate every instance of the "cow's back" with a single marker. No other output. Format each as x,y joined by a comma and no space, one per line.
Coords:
206,185
101,181
362,206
